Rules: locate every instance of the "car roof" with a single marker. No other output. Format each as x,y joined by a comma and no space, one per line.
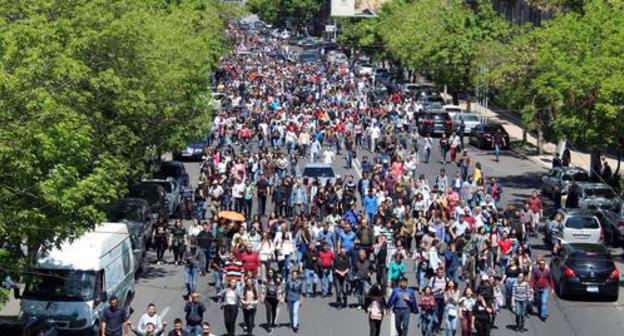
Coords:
586,247
572,169
317,165
577,212
592,185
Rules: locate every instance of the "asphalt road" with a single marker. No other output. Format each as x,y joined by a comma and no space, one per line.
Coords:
164,286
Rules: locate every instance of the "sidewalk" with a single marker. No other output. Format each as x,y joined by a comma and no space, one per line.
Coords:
11,308
578,159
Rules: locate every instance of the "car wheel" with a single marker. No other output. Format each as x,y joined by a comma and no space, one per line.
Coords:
95,331
613,298
561,289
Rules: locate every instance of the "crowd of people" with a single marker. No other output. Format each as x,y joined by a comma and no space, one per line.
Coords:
387,239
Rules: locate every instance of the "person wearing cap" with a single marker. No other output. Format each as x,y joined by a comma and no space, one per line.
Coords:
402,302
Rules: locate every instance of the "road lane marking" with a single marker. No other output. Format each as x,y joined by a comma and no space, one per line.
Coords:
164,312
356,166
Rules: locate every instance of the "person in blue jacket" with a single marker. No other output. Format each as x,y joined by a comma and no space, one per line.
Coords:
403,302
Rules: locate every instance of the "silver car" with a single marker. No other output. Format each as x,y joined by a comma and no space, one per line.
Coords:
597,195
470,121
561,177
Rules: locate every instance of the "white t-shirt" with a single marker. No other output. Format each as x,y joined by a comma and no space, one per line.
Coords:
328,156
238,189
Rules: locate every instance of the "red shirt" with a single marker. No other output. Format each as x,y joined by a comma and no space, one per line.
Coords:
251,262
327,258
535,204
505,245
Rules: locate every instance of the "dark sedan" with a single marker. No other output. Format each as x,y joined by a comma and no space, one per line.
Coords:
136,213
585,269
192,152
482,136
435,123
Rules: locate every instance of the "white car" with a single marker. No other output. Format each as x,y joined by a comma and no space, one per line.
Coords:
581,226
471,120
364,69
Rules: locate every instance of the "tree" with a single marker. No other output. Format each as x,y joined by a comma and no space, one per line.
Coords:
443,39
90,91
300,13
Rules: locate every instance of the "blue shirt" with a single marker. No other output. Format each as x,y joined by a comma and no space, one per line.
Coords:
348,239
293,290
396,300
327,237
371,204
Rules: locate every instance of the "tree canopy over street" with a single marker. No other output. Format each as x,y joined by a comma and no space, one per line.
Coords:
90,92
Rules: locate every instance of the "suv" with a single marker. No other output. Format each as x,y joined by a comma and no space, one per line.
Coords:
597,195
136,213
436,123
580,226
175,170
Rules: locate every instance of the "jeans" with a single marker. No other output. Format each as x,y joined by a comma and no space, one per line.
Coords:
509,282
361,288
326,281
293,312
427,322
262,205
450,322
427,154
190,277
229,316
374,326
497,151
194,330
249,317
401,320
439,312
520,311
422,281
349,159
543,301
341,290
284,266
218,279
370,217
453,274
311,280
271,310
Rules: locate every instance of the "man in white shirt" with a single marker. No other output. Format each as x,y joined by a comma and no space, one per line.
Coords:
238,191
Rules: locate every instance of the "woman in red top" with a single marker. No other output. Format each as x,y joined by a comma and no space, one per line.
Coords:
427,311
505,246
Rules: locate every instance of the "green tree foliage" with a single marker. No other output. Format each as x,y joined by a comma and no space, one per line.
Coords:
90,90
570,73
276,12
443,39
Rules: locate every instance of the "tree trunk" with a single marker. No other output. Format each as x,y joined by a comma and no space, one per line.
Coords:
595,166
539,141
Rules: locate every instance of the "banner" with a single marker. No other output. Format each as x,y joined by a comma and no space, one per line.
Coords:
356,7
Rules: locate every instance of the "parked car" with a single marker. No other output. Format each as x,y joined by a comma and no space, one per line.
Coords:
155,196
471,120
482,136
172,192
309,57
435,123
410,89
324,172
174,169
364,69
580,226
192,152
72,282
597,195
613,225
452,110
136,213
582,269
562,177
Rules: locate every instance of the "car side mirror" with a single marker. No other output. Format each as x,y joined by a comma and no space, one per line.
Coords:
103,296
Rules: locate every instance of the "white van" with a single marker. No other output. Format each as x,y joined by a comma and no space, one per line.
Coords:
72,283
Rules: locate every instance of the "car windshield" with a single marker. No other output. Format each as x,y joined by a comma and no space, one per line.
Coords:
126,211
469,117
167,170
308,57
578,222
491,128
576,176
61,285
166,185
148,192
600,192
593,260
318,172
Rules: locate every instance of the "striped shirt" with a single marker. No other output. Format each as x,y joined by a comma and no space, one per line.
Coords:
233,270
521,291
